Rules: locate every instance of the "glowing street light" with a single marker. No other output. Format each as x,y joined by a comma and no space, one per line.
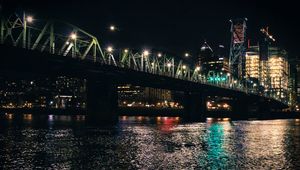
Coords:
73,36
109,49
29,19
112,28
146,53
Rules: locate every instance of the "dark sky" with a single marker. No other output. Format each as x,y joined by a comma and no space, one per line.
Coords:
171,25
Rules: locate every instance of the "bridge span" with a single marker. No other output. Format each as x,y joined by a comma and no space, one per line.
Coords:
46,50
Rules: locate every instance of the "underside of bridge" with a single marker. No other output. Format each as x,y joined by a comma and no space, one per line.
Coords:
102,82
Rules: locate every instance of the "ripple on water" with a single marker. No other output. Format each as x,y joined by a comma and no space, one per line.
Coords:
273,144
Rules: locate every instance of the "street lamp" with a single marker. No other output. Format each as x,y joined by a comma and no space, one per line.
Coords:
29,19
109,49
112,28
73,36
146,53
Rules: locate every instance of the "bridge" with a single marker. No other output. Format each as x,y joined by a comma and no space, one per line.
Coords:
54,47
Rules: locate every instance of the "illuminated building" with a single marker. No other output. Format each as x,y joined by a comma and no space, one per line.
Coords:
272,73
211,62
252,63
43,92
137,96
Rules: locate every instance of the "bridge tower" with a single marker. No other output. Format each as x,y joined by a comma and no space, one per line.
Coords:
238,47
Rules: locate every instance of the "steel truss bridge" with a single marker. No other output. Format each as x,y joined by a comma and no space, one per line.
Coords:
64,39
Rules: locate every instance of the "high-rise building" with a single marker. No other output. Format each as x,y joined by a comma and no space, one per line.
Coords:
272,73
211,61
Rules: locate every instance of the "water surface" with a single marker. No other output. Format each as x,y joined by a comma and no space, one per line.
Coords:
68,142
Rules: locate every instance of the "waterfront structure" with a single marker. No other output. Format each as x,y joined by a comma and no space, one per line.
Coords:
59,92
137,96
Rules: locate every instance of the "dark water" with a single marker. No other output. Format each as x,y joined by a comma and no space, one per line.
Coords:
66,142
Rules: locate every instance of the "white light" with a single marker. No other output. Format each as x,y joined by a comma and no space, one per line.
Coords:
184,66
73,36
186,54
67,42
109,49
159,55
146,53
112,28
198,68
169,65
29,19
126,50
228,74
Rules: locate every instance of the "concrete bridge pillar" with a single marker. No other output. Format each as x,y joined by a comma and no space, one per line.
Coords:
194,106
102,101
240,108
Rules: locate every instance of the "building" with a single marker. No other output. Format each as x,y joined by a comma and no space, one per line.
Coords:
214,64
137,96
271,73
59,92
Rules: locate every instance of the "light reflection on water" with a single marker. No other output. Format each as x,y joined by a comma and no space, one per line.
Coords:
68,142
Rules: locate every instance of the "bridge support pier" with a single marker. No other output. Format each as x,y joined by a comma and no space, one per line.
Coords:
194,106
102,101
240,108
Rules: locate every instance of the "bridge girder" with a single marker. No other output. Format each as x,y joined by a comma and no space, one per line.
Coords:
64,39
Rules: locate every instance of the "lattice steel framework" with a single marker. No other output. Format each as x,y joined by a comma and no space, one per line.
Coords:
67,40
237,47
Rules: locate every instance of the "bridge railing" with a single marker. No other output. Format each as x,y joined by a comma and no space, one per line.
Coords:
64,39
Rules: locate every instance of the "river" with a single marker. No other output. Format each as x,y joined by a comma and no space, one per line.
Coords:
69,142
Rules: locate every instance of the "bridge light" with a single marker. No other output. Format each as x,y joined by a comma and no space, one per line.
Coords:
126,51
228,74
184,67
159,55
109,49
112,28
29,19
169,65
186,54
146,53
73,36
197,68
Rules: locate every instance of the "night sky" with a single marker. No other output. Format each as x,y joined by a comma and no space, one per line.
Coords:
170,25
